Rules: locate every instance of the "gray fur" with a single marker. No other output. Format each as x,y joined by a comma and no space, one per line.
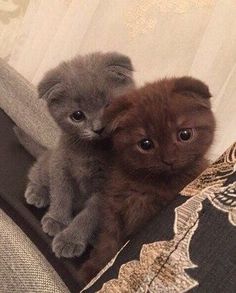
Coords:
73,240
69,177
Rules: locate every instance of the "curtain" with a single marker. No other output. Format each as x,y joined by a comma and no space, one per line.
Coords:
163,38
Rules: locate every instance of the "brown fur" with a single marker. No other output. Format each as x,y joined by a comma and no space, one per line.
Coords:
142,182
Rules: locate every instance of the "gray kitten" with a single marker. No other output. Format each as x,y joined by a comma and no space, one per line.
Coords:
73,173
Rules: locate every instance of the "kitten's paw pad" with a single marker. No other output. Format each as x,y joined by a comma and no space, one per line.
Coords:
51,226
38,200
62,246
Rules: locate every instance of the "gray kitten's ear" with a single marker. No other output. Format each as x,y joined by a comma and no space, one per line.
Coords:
119,67
50,87
191,86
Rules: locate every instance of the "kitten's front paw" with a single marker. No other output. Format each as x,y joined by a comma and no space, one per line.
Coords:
33,197
51,226
87,272
64,245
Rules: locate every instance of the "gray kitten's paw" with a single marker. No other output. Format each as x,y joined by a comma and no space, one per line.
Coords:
64,246
34,198
51,226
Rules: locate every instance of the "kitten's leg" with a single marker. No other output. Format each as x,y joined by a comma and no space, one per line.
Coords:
110,240
106,248
74,239
37,195
59,214
37,191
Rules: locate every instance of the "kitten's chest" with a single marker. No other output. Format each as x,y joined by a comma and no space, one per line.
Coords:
84,166
134,205
140,202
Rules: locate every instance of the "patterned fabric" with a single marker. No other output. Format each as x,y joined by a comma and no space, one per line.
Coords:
22,267
12,9
164,265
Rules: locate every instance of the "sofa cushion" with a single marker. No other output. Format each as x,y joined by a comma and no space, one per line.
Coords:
24,269
18,98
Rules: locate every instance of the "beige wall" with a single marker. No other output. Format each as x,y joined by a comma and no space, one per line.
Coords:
173,37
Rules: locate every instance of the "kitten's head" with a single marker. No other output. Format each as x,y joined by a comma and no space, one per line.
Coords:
77,91
163,127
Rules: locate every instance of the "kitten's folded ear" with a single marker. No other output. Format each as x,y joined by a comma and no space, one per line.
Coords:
119,68
50,86
116,114
191,86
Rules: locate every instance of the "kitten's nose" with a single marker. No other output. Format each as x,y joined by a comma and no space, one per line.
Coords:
98,131
168,161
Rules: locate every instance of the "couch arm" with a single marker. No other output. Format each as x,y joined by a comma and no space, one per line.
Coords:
18,98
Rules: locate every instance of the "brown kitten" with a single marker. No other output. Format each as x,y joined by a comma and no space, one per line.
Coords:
160,135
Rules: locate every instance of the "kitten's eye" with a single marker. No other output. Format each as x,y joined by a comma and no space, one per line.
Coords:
77,116
146,144
185,134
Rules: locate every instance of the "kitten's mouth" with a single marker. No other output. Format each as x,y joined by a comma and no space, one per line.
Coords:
92,137
167,169
164,169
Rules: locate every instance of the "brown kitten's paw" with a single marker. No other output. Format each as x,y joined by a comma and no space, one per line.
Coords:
51,226
64,245
87,272
35,197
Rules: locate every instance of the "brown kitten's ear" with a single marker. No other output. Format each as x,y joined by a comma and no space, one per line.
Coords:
116,113
119,68
50,87
191,86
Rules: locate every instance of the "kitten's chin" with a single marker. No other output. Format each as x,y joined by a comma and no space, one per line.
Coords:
167,171
90,136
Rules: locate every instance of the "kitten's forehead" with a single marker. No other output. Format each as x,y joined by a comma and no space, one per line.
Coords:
85,84
158,110
90,101
94,79
88,93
